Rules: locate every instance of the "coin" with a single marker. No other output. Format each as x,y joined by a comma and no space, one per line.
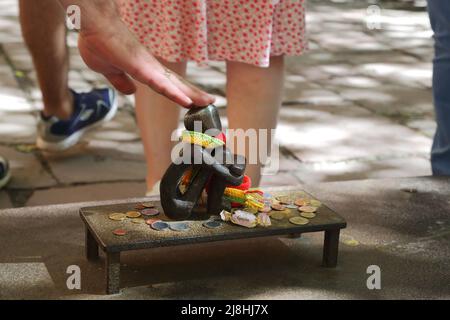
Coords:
298,220
179,226
291,206
151,221
289,213
160,225
133,214
148,204
139,207
307,209
212,224
266,209
301,202
119,232
150,212
117,216
279,215
278,207
308,215
284,199
315,203
138,221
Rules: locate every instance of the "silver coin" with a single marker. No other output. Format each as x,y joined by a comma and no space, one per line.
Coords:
159,225
212,224
179,226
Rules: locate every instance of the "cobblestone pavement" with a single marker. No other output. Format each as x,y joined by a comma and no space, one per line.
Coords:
357,106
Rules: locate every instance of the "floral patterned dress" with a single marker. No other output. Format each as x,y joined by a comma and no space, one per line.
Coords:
248,31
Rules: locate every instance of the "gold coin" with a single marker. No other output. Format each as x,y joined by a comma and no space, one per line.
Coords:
308,215
117,216
278,207
307,209
133,214
148,204
266,209
139,207
298,221
138,221
301,202
278,215
284,199
315,203
289,213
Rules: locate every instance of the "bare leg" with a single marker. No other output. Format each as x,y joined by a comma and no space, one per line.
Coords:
43,28
157,118
254,97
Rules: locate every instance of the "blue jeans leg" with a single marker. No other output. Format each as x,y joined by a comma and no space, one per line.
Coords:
439,11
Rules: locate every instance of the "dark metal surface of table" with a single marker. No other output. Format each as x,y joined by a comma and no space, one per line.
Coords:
99,233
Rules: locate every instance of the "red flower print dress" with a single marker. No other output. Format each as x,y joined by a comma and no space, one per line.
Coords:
247,31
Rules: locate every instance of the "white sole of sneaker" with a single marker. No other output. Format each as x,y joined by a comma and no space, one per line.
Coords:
69,142
5,180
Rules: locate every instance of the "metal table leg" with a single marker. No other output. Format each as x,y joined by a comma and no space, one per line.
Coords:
294,235
330,248
91,246
112,267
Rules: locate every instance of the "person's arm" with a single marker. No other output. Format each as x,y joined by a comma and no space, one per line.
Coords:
108,47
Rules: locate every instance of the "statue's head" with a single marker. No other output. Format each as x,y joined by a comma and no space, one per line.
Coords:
206,118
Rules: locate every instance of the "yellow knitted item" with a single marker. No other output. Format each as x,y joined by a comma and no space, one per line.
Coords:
254,200
248,199
201,139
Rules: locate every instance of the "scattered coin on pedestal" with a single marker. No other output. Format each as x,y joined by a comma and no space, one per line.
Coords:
148,204
119,232
179,226
160,225
212,224
308,215
278,207
138,221
300,202
298,220
117,216
279,215
133,214
150,212
307,209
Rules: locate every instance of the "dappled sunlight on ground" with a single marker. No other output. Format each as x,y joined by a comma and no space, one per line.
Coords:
357,105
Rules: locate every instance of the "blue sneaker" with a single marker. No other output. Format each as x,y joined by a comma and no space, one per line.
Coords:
5,173
91,109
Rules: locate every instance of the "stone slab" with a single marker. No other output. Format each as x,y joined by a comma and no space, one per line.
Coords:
26,170
5,201
90,192
335,133
24,280
360,169
98,163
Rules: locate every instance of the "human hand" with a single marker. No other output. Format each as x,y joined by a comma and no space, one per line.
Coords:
108,47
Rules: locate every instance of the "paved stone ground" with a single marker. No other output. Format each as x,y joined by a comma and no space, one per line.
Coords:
357,106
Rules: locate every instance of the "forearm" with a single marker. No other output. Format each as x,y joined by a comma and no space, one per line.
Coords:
94,14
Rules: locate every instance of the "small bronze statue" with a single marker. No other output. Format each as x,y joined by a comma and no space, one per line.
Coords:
214,168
